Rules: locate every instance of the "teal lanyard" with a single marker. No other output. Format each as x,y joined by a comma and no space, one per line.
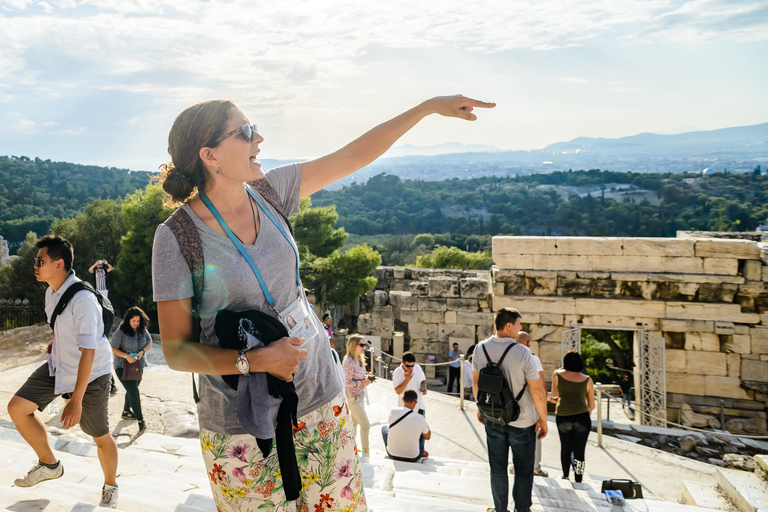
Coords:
242,250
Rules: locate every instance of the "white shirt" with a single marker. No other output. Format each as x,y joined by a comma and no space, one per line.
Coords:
78,326
467,374
403,440
398,377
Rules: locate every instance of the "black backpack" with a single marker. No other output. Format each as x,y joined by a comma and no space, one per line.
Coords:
495,400
107,311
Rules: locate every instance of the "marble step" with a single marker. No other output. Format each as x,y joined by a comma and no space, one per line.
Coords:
700,495
748,491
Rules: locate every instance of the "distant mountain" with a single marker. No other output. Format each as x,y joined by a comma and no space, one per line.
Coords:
439,149
742,139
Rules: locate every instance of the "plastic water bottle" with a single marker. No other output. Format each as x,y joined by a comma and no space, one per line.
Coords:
53,408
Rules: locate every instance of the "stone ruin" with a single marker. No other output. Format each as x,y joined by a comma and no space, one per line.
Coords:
4,254
708,299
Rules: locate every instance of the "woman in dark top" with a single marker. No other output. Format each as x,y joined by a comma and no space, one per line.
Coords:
574,394
130,343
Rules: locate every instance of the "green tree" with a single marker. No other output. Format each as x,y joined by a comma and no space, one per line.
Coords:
425,239
453,257
314,231
142,213
17,278
95,233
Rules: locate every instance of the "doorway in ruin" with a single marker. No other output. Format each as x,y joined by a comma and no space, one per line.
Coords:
649,372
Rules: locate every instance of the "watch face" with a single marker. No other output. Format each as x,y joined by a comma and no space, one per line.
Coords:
242,363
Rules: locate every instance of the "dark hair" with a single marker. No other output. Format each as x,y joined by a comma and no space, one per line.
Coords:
325,316
506,316
143,321
57,247
572,361
408,357
410,397
195,128
455,344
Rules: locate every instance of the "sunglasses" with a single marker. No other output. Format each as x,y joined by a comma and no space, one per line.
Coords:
408,365
362,345
39,263
249,130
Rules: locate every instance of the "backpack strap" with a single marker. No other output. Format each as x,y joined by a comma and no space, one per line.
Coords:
401,418
266,191
65,298
519,395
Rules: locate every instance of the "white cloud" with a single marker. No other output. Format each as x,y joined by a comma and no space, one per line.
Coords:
573,80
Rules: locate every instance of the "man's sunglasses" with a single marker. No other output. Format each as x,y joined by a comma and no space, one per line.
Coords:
408,365
249,130
39,263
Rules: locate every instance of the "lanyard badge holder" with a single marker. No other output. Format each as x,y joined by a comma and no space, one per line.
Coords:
296,317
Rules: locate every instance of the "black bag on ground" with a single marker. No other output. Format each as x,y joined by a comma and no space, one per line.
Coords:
495,400
107,311
629,488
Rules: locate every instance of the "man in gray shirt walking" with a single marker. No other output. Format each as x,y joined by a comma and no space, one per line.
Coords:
520,371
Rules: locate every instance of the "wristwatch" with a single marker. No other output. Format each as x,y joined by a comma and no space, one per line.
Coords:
242,363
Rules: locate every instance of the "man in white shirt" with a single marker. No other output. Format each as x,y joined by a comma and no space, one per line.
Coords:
79,368
404,436
409,375
524,339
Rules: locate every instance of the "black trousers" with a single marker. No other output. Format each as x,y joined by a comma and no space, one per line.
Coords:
574,432
454,374
132,398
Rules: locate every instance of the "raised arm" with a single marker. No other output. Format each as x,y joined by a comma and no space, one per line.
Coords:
325,170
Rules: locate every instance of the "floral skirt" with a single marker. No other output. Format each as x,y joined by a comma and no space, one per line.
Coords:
331,473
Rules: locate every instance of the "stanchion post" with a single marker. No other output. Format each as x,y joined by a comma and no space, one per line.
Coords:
599,414
461,381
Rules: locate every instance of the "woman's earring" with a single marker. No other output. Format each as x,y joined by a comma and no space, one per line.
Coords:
217,170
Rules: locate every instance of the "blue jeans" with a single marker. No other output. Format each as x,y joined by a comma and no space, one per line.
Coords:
500,439
385,435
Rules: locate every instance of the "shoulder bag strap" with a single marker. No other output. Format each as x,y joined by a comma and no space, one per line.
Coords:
64,300
401,418
266,191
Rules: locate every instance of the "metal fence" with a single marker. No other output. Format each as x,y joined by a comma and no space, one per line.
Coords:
20,313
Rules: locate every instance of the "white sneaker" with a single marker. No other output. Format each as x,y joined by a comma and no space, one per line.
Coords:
109,496
40,473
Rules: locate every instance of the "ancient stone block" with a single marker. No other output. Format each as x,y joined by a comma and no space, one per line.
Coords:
422,331
676,361
724,328
741,329
722,266
652,309
765,273
382,312
473,288
666,324
717,292
379,298
549,353
425,347
398,273
484,332
403,300
551,319
729,387
702,311
499,288
475,318
685,384
542,274
419,288
443,287
759,339
574,287
592,275
550,333
430,317
468,304
431,304
754,370
733,362
523,245
722,248
540,286
562,262
707,363
647,263
706,341
513,261
526,303
444,331
632,322
605,288
531,318
752,289
515,287
753,270
504,274
629,276
366,324
674,247
451,317
589,245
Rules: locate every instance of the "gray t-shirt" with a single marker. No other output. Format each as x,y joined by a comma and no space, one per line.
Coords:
231,284
518,366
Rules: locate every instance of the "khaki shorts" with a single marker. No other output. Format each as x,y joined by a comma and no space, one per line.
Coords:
94,420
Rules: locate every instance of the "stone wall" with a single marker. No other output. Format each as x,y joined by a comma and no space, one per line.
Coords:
431,308
4,254
707,297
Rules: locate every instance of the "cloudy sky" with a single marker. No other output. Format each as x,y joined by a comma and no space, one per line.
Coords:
100,81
